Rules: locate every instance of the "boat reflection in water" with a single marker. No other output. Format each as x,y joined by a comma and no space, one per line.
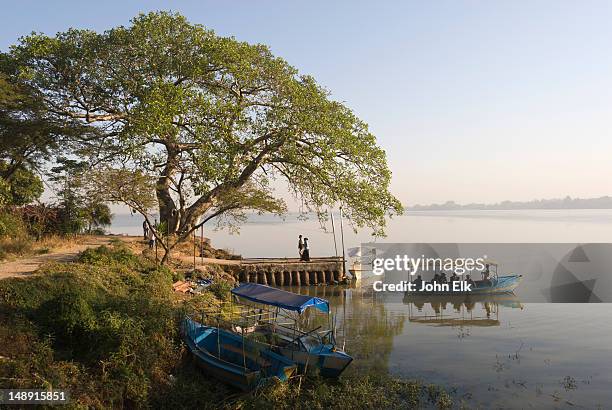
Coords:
365,326
459,310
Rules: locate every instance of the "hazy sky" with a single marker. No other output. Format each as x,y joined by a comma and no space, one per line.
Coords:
473,101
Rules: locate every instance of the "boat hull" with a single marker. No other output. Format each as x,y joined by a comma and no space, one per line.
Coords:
322,359
329,363
222,355
503,284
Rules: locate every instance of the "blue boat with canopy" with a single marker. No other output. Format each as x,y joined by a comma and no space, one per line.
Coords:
267,295
233,359
278,315
492,283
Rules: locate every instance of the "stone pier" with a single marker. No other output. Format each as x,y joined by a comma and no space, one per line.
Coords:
289,272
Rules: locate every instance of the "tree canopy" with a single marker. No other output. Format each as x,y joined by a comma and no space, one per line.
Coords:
25,139
22,187
206,123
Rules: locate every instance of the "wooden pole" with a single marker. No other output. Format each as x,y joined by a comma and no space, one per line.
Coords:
202,244
334,233
243,355
342,237
343,319
168,239
218,339
194,250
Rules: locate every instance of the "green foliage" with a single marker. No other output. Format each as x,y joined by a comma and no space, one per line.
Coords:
11,225
29,134
105,256
359,392
207,122
81,207
14,239
97,215
221,290
5,193
133,188
107,324
21,187
438,396
70,317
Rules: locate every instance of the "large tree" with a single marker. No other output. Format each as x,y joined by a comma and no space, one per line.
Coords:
30,135
207,122
23,137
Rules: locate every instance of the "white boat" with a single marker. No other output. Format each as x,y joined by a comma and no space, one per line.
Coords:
360,262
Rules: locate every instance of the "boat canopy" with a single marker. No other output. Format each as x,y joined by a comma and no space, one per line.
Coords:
276,297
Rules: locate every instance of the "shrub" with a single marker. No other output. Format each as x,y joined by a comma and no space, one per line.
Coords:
14,239
70,317
105,327
11,225
104,255
221,290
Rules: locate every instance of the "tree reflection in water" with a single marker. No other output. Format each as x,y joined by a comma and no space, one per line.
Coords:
366,323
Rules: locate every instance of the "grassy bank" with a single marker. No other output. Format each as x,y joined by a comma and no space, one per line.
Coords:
106,328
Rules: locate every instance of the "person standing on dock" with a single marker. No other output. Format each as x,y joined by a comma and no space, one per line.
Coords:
305,251
300,245
145,229
151,238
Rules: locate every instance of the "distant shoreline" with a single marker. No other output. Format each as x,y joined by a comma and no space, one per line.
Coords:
604,202
503,209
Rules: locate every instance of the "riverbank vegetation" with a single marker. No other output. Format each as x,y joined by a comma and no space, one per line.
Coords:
106,328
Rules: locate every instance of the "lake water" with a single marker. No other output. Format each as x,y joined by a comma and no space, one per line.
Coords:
493,353
269,236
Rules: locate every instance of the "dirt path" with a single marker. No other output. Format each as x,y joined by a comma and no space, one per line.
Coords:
27,266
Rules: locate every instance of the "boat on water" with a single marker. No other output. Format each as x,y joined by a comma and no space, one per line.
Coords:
360,265
233,359
275,314
492,283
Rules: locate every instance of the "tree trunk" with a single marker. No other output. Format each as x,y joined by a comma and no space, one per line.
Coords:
167,207
165,257
167,250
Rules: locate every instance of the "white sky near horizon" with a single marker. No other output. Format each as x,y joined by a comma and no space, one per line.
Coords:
473,101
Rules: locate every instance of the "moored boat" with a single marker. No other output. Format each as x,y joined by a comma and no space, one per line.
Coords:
500,284
271,310
233,359
360,266
491,283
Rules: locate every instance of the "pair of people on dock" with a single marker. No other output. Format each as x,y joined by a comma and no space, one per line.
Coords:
303,249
